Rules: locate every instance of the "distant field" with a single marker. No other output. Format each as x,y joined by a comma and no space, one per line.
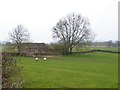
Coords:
95,48
95,70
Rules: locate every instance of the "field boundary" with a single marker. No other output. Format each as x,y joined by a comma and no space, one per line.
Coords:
83,52
12,54
90,51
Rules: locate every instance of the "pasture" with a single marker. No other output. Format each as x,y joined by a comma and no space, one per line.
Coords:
92,70
96,48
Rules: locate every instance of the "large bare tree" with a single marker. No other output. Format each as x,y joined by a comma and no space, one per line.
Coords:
19,35
71,30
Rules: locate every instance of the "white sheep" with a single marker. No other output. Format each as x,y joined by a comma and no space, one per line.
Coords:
36,59
44,58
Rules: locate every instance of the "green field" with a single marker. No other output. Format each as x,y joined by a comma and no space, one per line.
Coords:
96,48
95,70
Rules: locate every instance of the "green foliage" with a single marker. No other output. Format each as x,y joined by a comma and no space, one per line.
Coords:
10,73
93,70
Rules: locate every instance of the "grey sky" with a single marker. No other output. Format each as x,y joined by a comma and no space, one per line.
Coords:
39,16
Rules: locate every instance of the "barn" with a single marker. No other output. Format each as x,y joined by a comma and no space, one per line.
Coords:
33,48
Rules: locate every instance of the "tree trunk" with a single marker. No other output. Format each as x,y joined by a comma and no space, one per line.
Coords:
66,51
71,50
19,50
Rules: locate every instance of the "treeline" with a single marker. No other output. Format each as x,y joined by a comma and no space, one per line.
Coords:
109,43
10,47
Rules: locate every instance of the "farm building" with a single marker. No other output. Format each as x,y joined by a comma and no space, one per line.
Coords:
33,48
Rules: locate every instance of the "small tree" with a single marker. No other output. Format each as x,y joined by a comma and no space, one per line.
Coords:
71,30
19,35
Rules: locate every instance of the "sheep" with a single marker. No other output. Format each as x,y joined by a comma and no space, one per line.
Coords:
36,59
44,58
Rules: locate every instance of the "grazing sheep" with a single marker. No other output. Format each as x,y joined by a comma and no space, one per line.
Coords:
36,59
44,58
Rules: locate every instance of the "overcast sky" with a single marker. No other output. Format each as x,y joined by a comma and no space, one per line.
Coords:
39,17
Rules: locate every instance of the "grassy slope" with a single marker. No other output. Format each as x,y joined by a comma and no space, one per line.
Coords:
83,71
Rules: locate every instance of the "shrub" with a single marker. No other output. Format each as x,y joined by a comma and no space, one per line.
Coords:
11,73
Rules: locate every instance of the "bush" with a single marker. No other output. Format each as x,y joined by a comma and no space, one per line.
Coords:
10,73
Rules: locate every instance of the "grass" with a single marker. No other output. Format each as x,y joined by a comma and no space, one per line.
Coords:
95,70
97,48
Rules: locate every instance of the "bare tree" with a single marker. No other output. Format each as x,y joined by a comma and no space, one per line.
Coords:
71,30
19,35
